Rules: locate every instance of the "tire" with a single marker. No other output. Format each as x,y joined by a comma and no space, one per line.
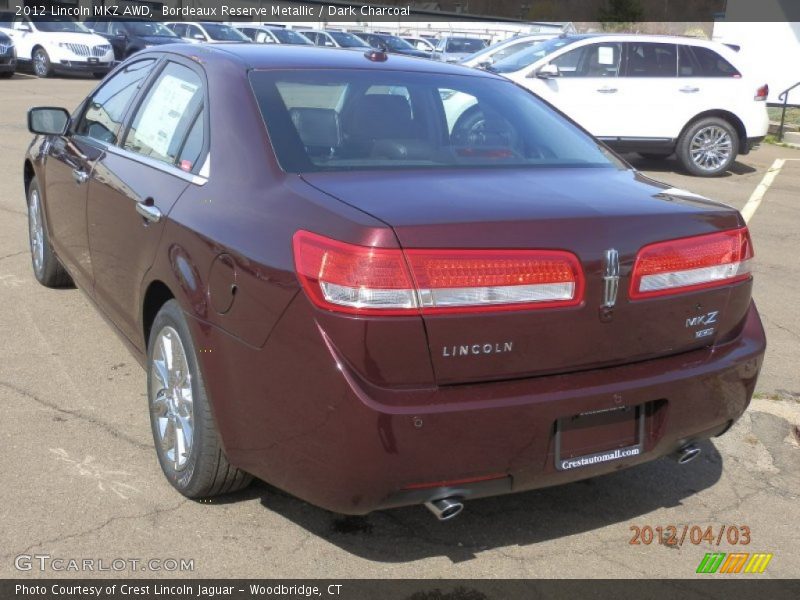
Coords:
41,63
46,267
654,155
186,439
708,147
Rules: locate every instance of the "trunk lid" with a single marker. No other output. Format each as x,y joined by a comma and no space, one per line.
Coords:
586,211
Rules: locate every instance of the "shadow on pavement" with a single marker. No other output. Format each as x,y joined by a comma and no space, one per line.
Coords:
412,533
671,165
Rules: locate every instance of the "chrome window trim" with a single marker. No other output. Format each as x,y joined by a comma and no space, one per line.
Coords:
199,179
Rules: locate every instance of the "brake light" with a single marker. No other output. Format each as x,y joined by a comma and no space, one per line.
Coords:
692,263
762,93
385,281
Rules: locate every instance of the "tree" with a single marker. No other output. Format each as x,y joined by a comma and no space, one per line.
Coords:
620,14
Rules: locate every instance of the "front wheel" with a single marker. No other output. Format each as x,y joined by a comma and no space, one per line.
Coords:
708,147
186,439
46,267
41,63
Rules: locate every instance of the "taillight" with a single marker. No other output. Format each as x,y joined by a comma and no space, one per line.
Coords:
692,263
381,281
762,93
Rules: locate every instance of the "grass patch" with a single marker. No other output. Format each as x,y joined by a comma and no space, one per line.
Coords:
792,115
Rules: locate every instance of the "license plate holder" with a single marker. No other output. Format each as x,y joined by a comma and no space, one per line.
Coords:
93,60
597,437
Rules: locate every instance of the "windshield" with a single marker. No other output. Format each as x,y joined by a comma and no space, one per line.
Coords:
58,25
146,28
224,33
464,45
526,58
396,43
336,120
347,40
287,36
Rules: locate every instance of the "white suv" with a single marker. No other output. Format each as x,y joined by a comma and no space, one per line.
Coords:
57,45
655,95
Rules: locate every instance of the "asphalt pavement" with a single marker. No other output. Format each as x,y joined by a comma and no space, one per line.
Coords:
81,480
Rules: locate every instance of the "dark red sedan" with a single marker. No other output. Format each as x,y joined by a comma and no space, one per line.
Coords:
346,280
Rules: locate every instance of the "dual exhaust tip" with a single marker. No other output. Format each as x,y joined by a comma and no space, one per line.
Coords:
445,509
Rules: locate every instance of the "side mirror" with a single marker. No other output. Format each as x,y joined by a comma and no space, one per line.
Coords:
548,71
48,120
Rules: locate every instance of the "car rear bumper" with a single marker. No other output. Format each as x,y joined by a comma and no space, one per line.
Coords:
294,414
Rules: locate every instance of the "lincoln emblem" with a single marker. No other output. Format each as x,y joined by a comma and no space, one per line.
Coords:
610,278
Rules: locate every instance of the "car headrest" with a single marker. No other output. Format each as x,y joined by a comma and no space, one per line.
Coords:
317,127
380,116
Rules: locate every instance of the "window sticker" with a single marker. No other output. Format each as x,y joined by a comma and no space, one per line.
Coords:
605,55
161,116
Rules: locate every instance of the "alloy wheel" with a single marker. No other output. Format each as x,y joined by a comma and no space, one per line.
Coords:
711,148
36,230
40,63
171,401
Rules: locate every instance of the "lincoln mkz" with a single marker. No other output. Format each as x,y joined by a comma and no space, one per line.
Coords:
342,282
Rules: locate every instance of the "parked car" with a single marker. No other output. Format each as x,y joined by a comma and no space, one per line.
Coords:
335,39
655,95
421,43
129,37
263,34
8,57
207,32
392,44
370,308
485,57
455,49
57,45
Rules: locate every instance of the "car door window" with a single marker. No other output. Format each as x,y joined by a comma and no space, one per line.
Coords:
179,29
646,59
594,60
167,114
102,119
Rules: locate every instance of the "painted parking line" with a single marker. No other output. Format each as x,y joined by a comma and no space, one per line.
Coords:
758,194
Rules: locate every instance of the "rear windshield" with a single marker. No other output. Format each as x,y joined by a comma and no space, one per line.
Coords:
464,45
335,120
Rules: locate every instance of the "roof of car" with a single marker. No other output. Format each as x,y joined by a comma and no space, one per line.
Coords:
285,56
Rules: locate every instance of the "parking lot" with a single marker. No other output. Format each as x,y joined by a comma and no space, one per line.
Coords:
81,479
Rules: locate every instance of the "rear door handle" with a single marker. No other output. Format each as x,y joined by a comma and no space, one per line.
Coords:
80,176
689,89
607,90
147,210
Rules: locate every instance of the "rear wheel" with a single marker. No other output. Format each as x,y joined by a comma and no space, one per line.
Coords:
41,63
708,147
46,267
185,436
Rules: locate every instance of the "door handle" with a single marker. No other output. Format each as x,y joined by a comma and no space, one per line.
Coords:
80,176
148,210
607,90
689,89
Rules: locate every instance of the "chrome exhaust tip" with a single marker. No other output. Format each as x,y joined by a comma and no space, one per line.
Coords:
687,454
446,508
